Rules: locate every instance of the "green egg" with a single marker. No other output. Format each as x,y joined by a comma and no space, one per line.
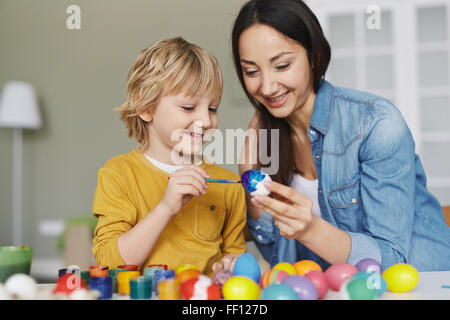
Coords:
357,290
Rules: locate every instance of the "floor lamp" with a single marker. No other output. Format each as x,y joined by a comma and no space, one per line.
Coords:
18,110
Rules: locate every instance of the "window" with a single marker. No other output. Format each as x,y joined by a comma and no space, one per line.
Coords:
404,58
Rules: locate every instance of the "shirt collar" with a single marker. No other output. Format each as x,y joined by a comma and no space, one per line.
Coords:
320,118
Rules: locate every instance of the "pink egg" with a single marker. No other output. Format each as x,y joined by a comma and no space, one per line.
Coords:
319,280
338,273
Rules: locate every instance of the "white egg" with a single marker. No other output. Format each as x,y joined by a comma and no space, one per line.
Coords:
21,286
4,295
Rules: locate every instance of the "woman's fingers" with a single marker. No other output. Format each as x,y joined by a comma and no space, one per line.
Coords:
273,206
288,193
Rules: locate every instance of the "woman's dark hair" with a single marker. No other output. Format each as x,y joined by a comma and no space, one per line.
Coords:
295,20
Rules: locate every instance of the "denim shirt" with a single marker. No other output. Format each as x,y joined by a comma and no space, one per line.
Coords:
371,185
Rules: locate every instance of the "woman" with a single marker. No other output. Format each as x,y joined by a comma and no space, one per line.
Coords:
350,185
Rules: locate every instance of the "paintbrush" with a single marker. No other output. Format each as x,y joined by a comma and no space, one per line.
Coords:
222,181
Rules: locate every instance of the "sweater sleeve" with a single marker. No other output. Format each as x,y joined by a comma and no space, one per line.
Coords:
116,215
233,231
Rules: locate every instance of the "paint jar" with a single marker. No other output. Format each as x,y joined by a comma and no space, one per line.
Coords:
140,287
129,267
169,289
162,275
150,270
123,281
85,275
113,274
98,271
103,285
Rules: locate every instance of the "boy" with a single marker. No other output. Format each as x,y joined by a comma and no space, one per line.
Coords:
153,204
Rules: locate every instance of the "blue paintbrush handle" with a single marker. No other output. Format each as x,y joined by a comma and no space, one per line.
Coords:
222,181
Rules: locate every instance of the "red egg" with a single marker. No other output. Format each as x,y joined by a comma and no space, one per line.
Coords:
320,281
200,288
68,283
338,273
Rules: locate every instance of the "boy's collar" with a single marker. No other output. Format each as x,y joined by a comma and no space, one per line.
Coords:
141,156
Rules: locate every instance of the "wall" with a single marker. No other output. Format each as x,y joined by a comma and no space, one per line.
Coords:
80,77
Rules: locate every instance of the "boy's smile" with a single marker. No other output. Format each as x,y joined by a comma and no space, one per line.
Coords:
180,124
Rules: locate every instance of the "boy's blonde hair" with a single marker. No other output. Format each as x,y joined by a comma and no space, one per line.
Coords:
167,67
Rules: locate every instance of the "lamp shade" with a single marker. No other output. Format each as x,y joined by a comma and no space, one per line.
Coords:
19,107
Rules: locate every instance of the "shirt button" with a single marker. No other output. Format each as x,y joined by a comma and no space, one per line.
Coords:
259,237
320,191
353,200
312,132
212,207
317,156
257,227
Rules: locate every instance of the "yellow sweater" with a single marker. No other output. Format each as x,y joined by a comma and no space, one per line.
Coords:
206,229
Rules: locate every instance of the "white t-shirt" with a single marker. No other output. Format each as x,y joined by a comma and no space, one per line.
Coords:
163,166
308,188
169,168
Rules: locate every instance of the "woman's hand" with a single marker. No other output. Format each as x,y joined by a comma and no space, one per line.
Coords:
183,185
226,263
291,210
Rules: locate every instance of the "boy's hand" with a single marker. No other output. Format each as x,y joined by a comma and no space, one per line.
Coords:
226,263
183,185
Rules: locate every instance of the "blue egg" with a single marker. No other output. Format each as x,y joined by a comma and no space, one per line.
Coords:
253,182
374,281
279,291
246,265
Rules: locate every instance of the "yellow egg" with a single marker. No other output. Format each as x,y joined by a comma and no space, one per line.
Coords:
240,288
401,277
289,268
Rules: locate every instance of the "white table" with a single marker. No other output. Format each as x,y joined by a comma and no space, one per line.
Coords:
429,288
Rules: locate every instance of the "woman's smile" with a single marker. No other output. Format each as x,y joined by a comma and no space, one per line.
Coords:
277,101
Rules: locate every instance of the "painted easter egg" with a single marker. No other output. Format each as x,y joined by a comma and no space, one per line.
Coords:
373,280
302,267
240,288
320,281
304,288
338,273
401,277
272,277
279,291
285,266
246,265
200,288
369,265
253,182
356,288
